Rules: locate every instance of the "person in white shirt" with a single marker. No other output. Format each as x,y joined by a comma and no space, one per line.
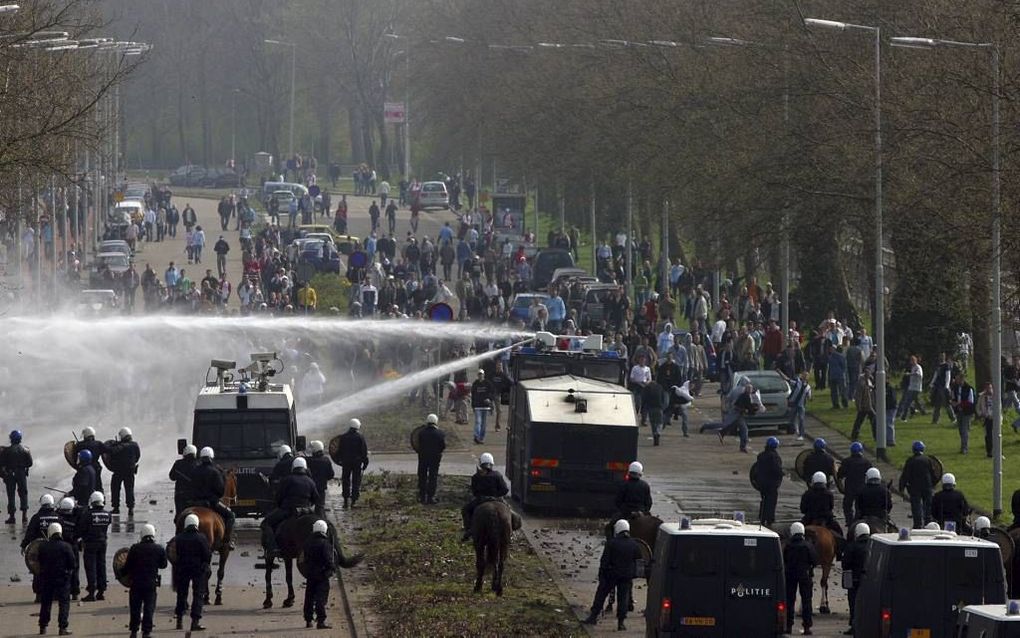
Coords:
718,330
640,376
914,386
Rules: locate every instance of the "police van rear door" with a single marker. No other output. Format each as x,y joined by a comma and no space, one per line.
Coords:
698,596
753,587
973,577
917,585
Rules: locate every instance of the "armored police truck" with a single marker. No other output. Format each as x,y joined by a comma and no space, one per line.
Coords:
572,429
245,419
716,577
916,582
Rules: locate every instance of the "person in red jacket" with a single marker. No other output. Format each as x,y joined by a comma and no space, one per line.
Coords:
772,344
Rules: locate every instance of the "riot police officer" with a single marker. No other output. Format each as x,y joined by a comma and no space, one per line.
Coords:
486,485
634,496
799,560
209,484
56,564
816,504
97,448
874,501
37,528
951,505
768,475
285,459
918,478
93,525
14,463
353,462
84,481
617,569
983,528
194,556
320,467
431,443
293,495
853,471
124,456
144,560
320,565
854,558
181,473
67,515
819,460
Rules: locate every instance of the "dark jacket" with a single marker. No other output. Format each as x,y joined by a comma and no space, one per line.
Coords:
634,496
854,557
320,557
56,562
950,505
353,449
799,558
431,443
93,525
124,456
182,474
96,447
852,470
69,525
654,397
83,483
816,504
819,461
15,461
193,553
208,482
38,524
874,500
488,484
144,560
320,468
619,558
768,469
297,490
283,467
918,475
481,393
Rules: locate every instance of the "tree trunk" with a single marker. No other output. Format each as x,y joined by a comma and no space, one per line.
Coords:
980,300
357,141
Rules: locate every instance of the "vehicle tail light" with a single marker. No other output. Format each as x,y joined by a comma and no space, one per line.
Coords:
620,466
780,616
545,462
537,473
886,622
666,613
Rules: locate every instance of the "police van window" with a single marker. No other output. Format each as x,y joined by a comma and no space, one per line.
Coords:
534,369
696,559
750,561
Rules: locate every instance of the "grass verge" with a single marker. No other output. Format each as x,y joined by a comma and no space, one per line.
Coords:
388,428
422,575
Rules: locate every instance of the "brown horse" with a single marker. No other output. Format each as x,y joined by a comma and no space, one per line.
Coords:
643,528
212,526
824,540
491,526
290,539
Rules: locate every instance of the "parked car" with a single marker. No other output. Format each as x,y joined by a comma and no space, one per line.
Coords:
114,246
522,301
118,263
320,254
561,275
593,304
96,302
187,175
219,178
546,263
774,391
434,195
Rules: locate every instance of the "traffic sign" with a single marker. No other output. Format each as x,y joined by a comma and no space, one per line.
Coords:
314,190
441,312
358,259
394,112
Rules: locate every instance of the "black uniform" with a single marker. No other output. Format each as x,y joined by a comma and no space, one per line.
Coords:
56,563
208,483
819,461
282,469
431,444
194,555
768,474
816,504
486,485
181,473
69,522
93,525
951,505
83,483
353,461
124,456
320,565
97,448
294,493
1014,507
918,477
852,471
799,560
617,569
854,558
38,524
874,501
144,560
633,497
320,468
14,463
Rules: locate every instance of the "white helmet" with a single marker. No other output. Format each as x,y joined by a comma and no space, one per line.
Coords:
862,529
88,431
66,504
486,459
355,424
190,449
315,446
636,468
207,453
283,451
97,498
320,527
873,474
432,419
46,499
54,529
981,522
123,434
932,525
148,531
797,528
948,479
819,478
190,521
621,526
299,464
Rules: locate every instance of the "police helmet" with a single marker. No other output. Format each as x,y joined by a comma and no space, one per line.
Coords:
432,419
148,531
125,433
85,456
948,480
190,521
315,447
190,450
861,529
819,478
88,432
819,443
355,424
320,527
932,525
856,447
636,468
981,522
66,504
298,464
207,453
283,451
918,446
621,526
873,475
486,459
797,529
46,500
54,529
97,498
15,436
772,442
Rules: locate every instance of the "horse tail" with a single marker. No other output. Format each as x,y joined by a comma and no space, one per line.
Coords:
343,560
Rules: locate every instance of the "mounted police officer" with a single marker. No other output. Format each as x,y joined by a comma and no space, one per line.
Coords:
486,485
93,525
124,456
57,562
284,462
294,495
194,556
874,501
97,448
918,478
617,569
68,514
768,475
320,565
983,528
852,471
182,474
799,561
84,481
819,460
144,560
320,468
854,559
209,483
353,461
634,496
14,463
431,443
816,504
951,505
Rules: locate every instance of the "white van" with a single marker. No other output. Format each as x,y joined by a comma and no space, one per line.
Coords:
125,212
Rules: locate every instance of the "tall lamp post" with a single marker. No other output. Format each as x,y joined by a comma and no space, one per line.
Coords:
996,310
293,76
407,99
879,318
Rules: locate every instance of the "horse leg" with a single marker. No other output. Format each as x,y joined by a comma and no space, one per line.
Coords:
479,565
289,568
497,569
824,607
219,575
268,602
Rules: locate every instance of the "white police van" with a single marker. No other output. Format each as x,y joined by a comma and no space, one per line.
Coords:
989,621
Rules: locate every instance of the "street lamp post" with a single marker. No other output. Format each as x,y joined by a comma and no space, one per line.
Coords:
879,318
407,99
293,76
996,309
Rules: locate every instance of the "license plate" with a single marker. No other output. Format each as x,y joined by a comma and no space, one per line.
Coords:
920,633
542,487
245,502
698,621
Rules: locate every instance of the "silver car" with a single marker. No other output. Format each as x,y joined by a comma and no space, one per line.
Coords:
774,391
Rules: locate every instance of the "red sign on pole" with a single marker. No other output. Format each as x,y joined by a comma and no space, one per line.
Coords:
394,112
